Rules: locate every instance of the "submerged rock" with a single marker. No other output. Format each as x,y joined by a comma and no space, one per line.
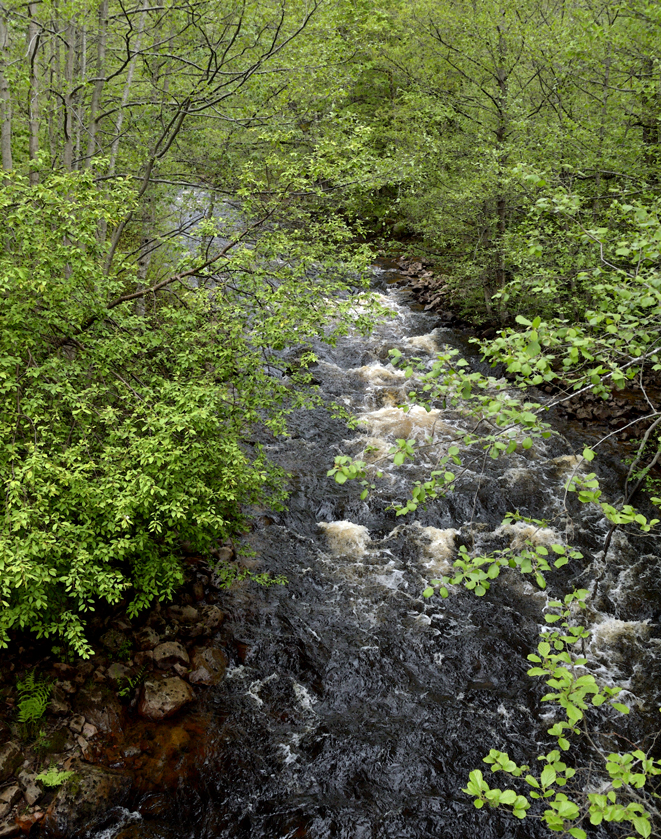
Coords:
161,698
209,665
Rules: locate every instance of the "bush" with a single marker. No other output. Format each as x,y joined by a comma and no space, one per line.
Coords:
122,425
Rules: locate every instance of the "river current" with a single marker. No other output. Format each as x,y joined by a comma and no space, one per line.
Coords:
355,708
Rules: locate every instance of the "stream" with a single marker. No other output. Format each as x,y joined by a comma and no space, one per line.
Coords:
353,707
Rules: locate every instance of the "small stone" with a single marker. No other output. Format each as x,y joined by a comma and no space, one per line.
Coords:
161,698
82,742
147,638
67,686
89,730
58,703
198,591
117,671
179,669
8,830
76,723
10,759
32,794
5,809
170,653
24,823
11,795
224,554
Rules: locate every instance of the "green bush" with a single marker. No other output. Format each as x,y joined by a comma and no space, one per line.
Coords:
122,422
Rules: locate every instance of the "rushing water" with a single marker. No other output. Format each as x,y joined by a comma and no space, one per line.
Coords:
353,707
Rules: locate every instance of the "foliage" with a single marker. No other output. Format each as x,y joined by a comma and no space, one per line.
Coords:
33,695
125,425
53,777
131,683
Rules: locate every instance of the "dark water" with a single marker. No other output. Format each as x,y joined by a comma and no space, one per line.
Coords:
353,707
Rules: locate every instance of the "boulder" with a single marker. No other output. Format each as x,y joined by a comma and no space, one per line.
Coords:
147,638
161,698
170,653
184,614
209,665
87,795
211,618
10,759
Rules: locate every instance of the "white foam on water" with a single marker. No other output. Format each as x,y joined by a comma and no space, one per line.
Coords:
612,633
426,343
415,424
345,537
520,532
377,374
438,546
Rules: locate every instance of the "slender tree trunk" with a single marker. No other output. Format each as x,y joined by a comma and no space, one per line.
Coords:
5,99
98,84
127,89
68,104
33,91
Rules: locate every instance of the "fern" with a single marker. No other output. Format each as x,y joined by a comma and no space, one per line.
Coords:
33,696
53,777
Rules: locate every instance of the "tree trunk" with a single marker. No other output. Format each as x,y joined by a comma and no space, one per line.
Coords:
5,100
98,84
33,91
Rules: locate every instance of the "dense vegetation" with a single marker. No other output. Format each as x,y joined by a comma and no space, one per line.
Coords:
187,191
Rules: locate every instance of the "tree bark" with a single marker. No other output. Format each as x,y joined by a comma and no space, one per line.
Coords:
33,36
98,84
5,99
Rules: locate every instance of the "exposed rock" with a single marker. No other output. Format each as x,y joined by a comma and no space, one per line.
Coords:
184,614
211,618
31,789
209,665
180,670
165,655
9,829
198,591
11,795
161,698
85,669
144,659
10,759
76,723
114,640
58,703
82,742
92,791
64,671
100,706
89,730
24,823
147,638
117,671
67,686
5,732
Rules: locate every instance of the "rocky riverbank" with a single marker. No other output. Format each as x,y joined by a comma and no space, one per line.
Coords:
113,723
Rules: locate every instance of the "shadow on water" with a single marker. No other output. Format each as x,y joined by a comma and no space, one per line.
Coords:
354,708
